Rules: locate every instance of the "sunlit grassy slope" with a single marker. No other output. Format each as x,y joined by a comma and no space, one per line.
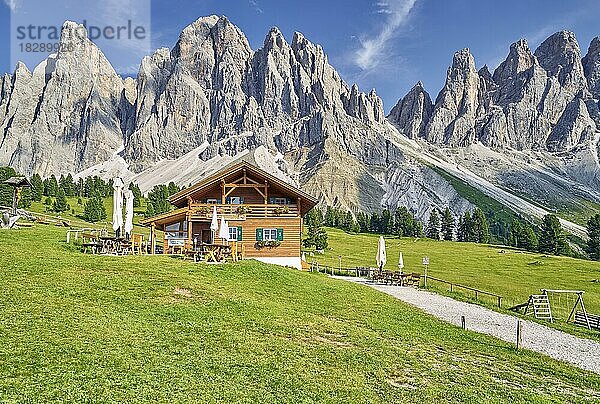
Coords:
508,272
76,327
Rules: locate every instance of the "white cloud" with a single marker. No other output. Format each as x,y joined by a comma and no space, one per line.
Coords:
372,48
12,4
254,4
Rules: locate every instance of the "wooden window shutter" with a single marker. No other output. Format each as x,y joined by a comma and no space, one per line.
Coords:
280,234
239,233
259,234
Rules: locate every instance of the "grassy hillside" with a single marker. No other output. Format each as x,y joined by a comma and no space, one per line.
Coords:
92,328
511,273
75,212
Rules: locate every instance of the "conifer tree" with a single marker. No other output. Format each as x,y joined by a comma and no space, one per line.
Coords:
481,230
447,225
94,210
418,230
52,186
552,238
387,222
6,191
37,187
150,211
433,227
137,195
404,222
60,203
316,234
25,198
593,244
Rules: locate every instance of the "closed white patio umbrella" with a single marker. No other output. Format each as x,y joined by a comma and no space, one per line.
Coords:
117,220
224,231
401,262
381,254
128,213
214,224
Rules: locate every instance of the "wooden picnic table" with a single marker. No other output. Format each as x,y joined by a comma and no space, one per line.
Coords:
395,277
114,245
210,252
216,252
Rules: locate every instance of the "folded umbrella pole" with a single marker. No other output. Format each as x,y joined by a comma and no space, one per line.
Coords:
381,253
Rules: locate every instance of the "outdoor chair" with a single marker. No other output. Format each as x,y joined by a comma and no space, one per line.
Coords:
90,242
137,241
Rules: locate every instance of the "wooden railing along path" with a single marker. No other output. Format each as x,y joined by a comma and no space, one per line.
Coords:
366,272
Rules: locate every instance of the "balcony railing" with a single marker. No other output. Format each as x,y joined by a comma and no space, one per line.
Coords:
233,212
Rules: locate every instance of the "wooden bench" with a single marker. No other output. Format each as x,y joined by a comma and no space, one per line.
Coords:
593,318
91,242
413,280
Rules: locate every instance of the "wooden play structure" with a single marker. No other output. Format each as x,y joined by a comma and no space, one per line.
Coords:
546,305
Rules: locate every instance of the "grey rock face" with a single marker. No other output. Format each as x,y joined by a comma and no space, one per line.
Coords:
212,87
453,119
412,112
591,67
65,115
533,101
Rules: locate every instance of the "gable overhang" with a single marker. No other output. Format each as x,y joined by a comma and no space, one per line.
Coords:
180,199
165,219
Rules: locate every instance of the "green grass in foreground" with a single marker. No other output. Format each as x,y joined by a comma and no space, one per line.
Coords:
96,329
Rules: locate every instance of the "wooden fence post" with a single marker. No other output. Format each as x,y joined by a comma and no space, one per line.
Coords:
519,334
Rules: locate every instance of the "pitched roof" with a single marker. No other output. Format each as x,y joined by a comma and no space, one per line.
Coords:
165,217
232,168
18,182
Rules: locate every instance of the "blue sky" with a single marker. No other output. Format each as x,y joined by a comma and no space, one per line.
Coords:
382,44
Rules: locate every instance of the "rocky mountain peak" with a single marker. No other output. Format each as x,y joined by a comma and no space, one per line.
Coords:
519,59
463,61
21,70
274,39
560,56
411,113
453,118
591,67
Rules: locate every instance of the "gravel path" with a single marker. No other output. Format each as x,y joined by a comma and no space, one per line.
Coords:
581,352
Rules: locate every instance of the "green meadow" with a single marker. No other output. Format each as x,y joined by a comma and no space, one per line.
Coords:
505,271
77,327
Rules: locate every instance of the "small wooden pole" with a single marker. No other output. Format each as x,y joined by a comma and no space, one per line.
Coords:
152,238
519,334
463,322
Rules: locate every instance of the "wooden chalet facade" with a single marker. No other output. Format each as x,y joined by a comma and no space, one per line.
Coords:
263,212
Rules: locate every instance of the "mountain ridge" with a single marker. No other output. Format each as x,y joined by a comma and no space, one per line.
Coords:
212,98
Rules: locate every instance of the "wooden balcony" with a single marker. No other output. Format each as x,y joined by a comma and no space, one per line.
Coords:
241,212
